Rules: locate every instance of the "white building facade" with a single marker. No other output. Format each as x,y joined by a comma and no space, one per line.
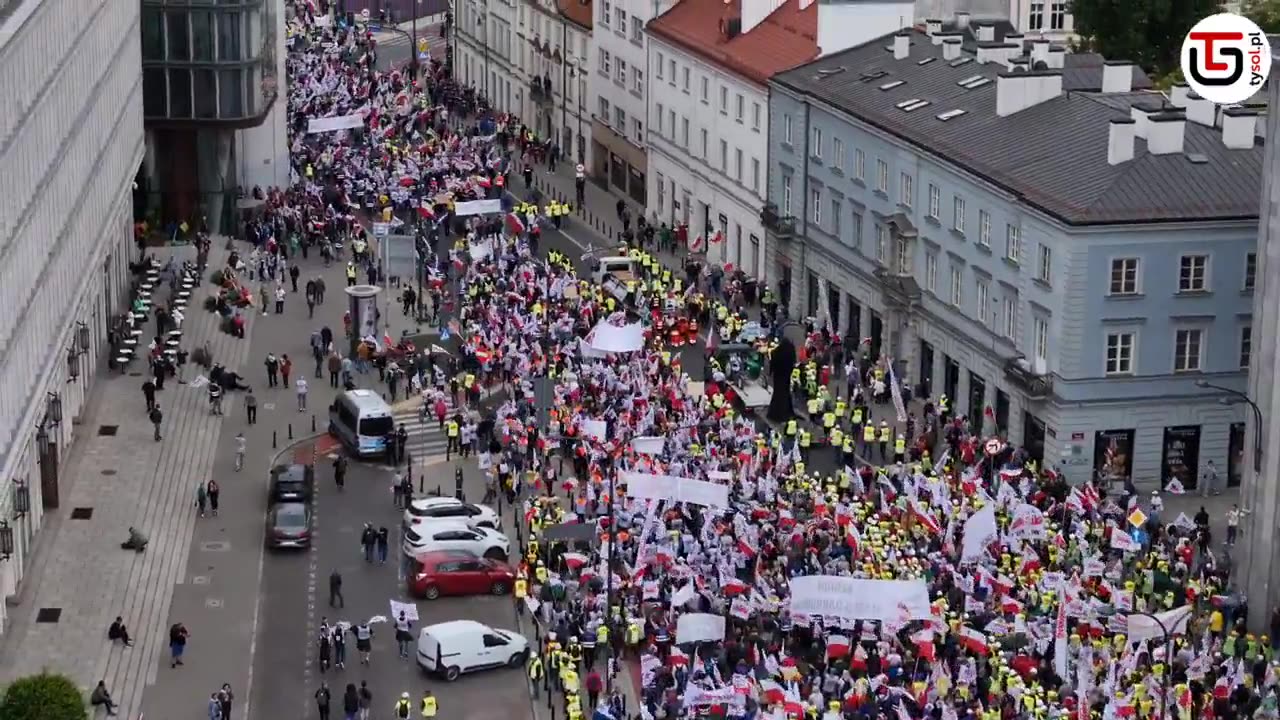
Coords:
553,39
708,146
71,142
487,52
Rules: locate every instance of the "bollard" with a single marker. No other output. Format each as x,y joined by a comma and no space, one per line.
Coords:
313,422
290,431
274,443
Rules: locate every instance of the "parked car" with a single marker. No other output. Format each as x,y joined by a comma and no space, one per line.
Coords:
291,483
449,649
432,508
458,572
455,535
289,526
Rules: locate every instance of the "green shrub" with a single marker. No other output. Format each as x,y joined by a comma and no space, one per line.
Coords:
43,697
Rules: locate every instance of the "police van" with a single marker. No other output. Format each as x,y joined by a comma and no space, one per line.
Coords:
362,420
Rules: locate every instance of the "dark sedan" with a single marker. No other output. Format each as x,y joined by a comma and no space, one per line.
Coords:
289,526
291,483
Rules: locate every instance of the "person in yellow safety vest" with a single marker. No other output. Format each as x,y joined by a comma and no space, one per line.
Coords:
886,435
813,407
855,416
602,635
900,448
806,438
552,652
841,407
429,706
791,428
535,674
540,573
828,421
575,651
635,633
521,589
836,437
351,274
403,708
944,406
455,440
847,448
868,438
569,678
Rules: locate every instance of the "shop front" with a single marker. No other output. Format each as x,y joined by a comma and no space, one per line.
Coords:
1180,455
1113,455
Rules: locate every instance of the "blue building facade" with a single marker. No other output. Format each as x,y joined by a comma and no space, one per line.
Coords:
1023,247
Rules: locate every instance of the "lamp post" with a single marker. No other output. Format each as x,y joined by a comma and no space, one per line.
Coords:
1257,418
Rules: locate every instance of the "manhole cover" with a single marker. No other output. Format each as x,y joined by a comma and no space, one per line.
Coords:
213,602
108,472
108,430
81,513
48,615
200,580
215,546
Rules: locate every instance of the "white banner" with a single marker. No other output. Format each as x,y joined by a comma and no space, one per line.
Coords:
1142,627
589,352
898,406
699,627
858,599
477,207
332,124
409,609
648,445
695,696
644,486
598,429
608,337
1027,523
979,530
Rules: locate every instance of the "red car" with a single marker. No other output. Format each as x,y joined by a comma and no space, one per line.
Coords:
458,572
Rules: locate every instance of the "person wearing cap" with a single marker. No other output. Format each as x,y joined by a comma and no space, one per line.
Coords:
403,707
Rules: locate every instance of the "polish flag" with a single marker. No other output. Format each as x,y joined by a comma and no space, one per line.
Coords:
793,704
747,547
677,657
973,640
837,646
853,538
820,506
924,645
575,560
1004,585
771,693
925,518
1010,474
1009,605
732,586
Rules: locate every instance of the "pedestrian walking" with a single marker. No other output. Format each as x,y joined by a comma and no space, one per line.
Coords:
215,707
365,700
350,702
214,491
202,497
156,417
225,696
364,641
178,636
368,539
384,539
324,648
302,393
339,648
286,367
280,295
149,394
323,699
404,634
335,590
251,407
241,445
273,368
340,472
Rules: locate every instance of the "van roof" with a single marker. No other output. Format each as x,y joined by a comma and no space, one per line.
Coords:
454,628
368,402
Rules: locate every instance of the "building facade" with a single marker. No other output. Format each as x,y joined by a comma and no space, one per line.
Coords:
71,143
1050,19
211,77
1067,283
487,51
554,51
620,94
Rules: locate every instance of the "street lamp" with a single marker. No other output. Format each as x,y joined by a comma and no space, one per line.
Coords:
53,413
1257,417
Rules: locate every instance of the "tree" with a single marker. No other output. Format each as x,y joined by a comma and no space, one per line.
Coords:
1146,32
1264,12
43,697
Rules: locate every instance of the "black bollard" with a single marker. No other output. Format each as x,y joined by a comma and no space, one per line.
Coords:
290,431
313,423
274,443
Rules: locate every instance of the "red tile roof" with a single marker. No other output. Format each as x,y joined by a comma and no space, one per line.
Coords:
578,12
786,38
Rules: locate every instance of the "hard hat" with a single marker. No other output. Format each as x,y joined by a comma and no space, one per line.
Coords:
404,695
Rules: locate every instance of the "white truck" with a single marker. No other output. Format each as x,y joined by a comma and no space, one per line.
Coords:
614,273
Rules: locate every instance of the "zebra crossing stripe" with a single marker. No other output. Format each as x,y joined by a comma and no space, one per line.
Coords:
425,439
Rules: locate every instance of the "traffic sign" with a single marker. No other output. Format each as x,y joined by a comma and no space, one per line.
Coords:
1137,518
381,229
423,57
994,446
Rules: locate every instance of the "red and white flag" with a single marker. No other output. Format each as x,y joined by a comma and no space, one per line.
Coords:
925,518
973,640
837,646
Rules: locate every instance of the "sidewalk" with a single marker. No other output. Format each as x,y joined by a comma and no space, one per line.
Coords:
120,477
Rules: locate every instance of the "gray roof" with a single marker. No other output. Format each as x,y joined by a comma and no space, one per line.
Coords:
1053,155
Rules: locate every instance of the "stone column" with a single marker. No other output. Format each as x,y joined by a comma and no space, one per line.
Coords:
1257,571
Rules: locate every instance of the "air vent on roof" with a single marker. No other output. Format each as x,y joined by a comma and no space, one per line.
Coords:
905,103
960,61
971,78
915,105
828,72
1197,158
926,61
950,114
876,75
977,83
892,84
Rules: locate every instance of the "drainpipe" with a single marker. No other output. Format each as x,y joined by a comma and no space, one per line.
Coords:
804,214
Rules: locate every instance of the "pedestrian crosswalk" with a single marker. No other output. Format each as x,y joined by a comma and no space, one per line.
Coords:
426,439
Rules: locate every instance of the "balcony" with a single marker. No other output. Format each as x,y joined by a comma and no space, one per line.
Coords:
782,226
1020,372
540,91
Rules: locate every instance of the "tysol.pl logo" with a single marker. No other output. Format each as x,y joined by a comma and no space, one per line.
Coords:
1226,58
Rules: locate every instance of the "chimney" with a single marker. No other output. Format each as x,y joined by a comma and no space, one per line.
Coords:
962,20
1020,63
1200,111
1140,114
986,33
1238,127
1056,58
755,11
932,27
941,37
901,46
1039,50
1120,141
1165,132
1117,76
1018,91
951,48
1178,95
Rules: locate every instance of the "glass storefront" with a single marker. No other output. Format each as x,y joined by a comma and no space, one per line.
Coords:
1113,455
1180,455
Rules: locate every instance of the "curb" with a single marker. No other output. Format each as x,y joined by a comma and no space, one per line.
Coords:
287,449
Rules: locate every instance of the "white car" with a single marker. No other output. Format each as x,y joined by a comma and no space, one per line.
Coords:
433,508
449,649
455,535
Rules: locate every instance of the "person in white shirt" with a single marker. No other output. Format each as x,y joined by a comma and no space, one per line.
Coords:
1233,524
302,393
241,445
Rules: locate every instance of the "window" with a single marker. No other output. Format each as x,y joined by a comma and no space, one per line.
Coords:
724,156
621,16
638,130
1246,346
737,164
903,251
815,201
1186,349
605,64
1035,20
202,44
671,120
859,164
1120,353
658,119
835,216
724,100
178,36
739,107
620,120
857,229
1192,273
935,201
637,81
621,72
1040,340
957,214
153,36
882,176
662,192
229,36
703,133
755,116
882,239
786,195
637,30
1010,317
755,174
931,272
606,11
984,228
837,150
1250,270
1057,16
957,287
906,189
684,80
706,98
817,143
1012,242
1124,276
658,65
1044,270
786,128
671,67
982,296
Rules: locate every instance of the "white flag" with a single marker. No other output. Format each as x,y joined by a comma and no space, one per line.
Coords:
897,394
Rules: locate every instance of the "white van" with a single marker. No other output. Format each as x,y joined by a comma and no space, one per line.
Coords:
449,649
362,420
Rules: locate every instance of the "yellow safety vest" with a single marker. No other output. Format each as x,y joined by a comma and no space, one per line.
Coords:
900,446
885,434
857,416
428,707
869,433
791,428
453,429
522,588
